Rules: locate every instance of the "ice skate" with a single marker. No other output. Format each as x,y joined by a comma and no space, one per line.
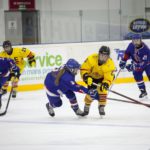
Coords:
101,110
0,103
79,112
50,110
143,95
86,109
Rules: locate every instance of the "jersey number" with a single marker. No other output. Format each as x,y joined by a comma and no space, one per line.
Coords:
24,49
16,60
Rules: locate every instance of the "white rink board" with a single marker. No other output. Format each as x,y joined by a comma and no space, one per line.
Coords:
50,56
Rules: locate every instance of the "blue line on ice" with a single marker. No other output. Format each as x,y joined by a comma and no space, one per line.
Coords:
75,123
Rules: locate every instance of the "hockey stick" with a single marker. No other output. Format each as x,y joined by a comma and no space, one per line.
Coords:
3,113
115,78
121,100
136,101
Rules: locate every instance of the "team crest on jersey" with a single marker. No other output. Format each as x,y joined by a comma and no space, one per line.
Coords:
96,74
145,57
72,82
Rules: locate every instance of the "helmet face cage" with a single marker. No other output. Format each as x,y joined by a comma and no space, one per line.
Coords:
7,46
137,40
74,71
72,66
103,58
104,54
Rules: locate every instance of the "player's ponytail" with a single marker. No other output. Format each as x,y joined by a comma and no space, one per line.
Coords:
58,76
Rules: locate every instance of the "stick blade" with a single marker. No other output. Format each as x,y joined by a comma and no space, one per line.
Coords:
3,113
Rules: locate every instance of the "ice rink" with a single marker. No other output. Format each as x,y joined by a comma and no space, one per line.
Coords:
27,125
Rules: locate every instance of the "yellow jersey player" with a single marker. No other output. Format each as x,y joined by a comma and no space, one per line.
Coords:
98,68
17,54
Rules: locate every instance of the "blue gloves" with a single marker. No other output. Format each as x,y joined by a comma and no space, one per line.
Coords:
122,64
93,94
134,67
129,67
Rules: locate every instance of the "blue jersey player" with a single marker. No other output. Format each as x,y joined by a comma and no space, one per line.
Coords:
62,82
139,53
7,68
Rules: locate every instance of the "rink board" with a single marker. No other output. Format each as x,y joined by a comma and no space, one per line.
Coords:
50,56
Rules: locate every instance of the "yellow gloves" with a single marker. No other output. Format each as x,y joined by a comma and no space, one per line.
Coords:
89,81
32,61
104,86
33,64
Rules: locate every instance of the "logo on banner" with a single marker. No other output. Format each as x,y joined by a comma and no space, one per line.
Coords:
139,25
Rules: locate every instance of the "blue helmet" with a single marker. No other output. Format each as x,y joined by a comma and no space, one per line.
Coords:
136,36
72,65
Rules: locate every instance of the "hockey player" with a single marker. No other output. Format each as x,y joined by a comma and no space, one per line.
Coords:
62,82
18,55
6,66
98,68
139,53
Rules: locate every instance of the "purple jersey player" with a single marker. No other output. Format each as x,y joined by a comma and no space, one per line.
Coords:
62,82
139,53
7,68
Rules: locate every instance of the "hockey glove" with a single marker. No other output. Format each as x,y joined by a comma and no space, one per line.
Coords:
122,64
93,94
32,61
104,86
87,79
33,64
14,75
129,67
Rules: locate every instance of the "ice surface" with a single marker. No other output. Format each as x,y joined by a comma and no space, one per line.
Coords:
27,125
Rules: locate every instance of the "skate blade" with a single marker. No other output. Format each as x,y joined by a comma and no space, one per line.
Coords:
52,115
144,98
102,116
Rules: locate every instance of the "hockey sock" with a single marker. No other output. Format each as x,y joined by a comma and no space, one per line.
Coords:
141,86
